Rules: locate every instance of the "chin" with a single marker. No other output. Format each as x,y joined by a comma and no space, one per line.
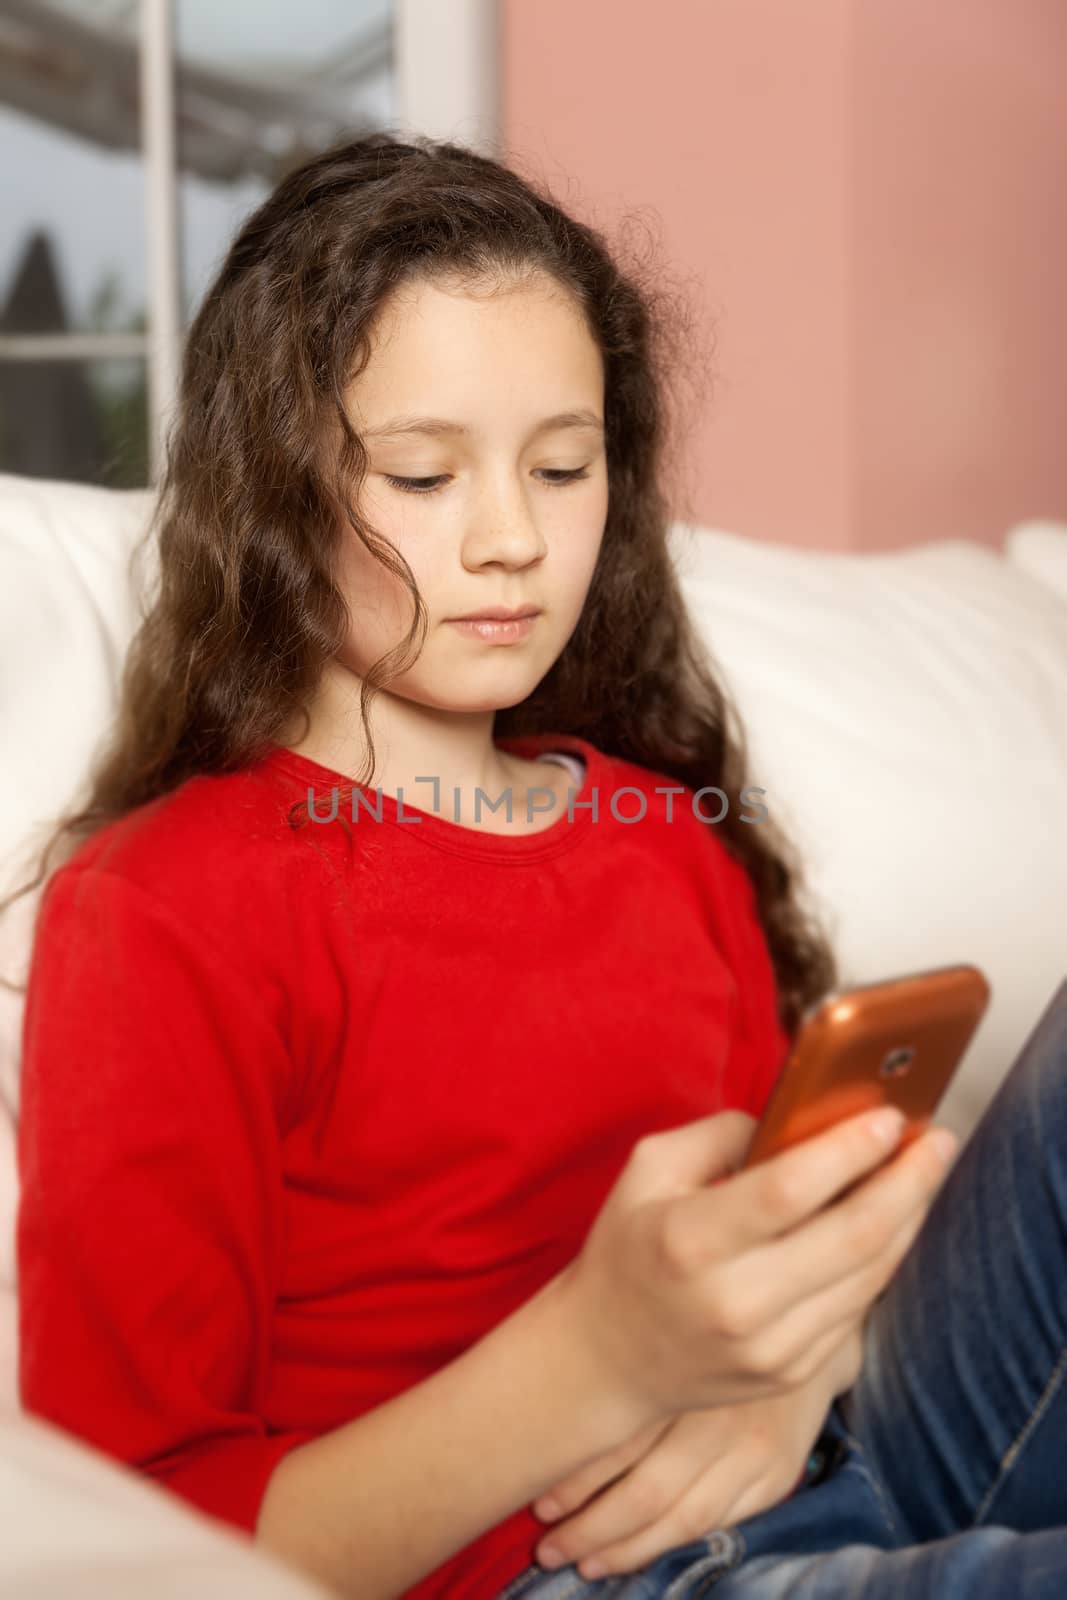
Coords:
488,686
471,703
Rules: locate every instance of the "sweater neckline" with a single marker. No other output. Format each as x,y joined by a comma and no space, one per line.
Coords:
433,829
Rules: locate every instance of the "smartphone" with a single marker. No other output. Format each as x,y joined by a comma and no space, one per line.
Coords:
896,1043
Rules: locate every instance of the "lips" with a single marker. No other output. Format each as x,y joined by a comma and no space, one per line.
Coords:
496,630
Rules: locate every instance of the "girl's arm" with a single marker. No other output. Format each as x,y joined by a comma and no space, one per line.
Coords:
149,1223
372,1507
149,1242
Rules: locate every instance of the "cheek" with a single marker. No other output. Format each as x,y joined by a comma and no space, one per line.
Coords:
379,604
574,558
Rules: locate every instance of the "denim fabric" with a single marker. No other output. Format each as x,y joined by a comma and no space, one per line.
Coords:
942,1471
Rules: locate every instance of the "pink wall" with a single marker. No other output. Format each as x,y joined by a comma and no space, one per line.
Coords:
866,195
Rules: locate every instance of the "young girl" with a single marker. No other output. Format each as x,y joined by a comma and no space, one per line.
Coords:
400,1014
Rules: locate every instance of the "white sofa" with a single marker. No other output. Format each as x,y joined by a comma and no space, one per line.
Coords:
76,1526
907,717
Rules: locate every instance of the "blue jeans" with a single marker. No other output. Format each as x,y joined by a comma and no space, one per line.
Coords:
943,1472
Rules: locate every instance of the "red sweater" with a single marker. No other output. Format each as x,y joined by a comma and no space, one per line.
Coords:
307,1111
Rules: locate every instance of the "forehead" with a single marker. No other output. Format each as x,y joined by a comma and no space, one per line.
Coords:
453,359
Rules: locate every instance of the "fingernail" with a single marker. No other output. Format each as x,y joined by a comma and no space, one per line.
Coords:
944,1142
547,1510
887,1124
549,1556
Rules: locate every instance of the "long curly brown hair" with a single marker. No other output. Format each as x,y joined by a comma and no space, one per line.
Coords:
262,462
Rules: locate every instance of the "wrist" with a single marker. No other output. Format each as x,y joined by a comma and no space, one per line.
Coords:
619,1409
846,1363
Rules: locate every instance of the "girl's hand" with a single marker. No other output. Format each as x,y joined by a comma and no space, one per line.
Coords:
676,1480
700,1285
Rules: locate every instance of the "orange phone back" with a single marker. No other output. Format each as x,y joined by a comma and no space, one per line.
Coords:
897,1042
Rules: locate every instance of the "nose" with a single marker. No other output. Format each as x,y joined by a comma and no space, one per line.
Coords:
503,528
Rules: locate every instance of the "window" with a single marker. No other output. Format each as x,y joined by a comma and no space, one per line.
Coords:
135,135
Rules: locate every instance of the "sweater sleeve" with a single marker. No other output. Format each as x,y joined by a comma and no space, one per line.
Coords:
149,1220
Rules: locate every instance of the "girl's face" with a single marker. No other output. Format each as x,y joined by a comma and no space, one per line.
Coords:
509,500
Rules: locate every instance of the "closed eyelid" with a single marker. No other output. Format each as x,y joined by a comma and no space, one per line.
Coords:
432,483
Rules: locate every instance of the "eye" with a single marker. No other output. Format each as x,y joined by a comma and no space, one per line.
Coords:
414,485
557,478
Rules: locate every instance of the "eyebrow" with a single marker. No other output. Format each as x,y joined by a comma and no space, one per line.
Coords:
396,427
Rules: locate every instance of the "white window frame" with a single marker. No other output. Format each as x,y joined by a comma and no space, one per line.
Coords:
446,55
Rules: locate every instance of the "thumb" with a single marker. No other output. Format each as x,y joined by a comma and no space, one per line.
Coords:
680,1160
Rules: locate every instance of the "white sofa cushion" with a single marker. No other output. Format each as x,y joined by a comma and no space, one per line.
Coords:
907,715
1040,549
77,1523
68,605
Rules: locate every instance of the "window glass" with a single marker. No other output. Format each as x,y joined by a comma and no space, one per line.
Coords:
258,88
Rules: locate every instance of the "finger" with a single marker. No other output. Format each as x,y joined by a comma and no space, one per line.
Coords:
775,1196
877,1217
789,1340
694,1511
572,1492
635,1502
760,1495
824,1348
841,1241
690,1157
